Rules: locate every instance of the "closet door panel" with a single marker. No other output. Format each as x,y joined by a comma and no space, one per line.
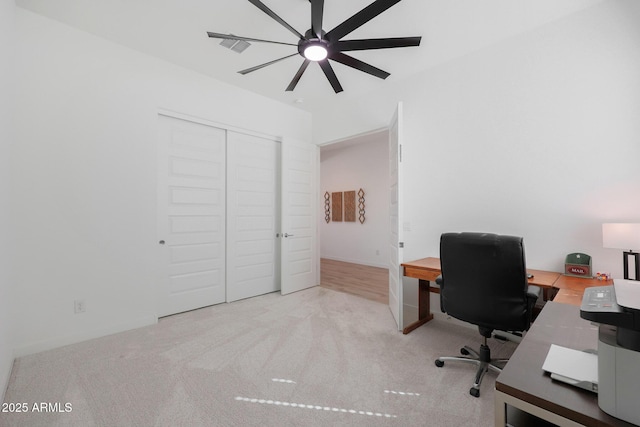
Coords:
253,216
191,215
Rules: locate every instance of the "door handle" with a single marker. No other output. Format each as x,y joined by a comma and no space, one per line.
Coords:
288,235
161,242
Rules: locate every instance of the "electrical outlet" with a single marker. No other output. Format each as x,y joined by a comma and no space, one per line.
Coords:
79,306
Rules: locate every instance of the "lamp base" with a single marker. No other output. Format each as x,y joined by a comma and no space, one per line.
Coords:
625,260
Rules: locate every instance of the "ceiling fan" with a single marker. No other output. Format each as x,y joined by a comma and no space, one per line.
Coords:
319,46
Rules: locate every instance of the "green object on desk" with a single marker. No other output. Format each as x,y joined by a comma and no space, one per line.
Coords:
578,264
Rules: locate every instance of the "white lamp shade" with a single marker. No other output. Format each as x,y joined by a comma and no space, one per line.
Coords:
621,236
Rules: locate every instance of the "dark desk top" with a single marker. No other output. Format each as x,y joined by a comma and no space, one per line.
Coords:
524,378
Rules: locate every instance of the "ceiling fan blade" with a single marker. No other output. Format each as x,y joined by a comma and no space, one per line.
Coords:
331,76
317,8
360,18
257,67
232,37
271,13
346,45
296,78
358,65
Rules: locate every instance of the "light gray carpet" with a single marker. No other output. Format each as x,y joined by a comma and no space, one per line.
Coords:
312,358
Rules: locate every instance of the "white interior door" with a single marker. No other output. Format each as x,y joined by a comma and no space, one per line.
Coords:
253,216
395,216
191,215
299,226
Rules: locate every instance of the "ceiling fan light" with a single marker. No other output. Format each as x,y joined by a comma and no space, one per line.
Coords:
315,52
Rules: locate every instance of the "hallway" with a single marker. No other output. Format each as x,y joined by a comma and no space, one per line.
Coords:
361,280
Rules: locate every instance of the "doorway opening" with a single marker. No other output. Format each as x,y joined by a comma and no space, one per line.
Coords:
354,255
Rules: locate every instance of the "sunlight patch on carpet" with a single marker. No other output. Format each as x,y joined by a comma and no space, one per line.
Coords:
316,407
281,380
401,393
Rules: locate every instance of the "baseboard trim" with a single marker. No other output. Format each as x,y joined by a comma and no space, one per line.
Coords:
354,261
5,383
61,341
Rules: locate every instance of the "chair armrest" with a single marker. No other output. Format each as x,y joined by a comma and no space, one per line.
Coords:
533,293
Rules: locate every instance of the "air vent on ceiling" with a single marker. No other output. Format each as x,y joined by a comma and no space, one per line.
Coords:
237,46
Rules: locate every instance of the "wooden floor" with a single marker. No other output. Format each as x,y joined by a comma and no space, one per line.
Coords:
355,279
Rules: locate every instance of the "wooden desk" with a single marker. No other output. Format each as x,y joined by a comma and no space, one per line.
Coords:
425,270
572,288
428,269
524,385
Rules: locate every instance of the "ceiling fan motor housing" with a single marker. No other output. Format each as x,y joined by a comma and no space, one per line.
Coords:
310,39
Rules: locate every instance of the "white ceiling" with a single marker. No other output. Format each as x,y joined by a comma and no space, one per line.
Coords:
175,30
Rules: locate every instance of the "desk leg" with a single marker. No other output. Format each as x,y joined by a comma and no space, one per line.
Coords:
501,401
500,409
424,306
424,301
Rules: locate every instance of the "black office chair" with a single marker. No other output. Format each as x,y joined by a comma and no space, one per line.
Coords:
484,282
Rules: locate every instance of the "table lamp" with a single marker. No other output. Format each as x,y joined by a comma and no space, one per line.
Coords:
623,236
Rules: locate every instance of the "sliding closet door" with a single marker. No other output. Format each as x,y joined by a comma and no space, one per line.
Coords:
236,215
191,215
253,216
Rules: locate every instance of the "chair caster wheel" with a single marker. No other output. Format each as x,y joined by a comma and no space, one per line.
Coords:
474,392
439,363
464,351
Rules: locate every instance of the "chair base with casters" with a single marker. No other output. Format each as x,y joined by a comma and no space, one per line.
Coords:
481,359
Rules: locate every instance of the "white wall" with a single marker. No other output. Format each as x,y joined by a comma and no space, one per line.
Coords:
7,77
536,136
364,165
85,175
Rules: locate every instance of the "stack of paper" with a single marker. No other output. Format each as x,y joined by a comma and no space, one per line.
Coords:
578,368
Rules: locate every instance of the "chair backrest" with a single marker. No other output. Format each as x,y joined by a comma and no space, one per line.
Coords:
485,280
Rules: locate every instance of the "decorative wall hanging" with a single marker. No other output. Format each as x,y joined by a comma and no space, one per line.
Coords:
350,206
327,206
334,203
361,205
336,207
